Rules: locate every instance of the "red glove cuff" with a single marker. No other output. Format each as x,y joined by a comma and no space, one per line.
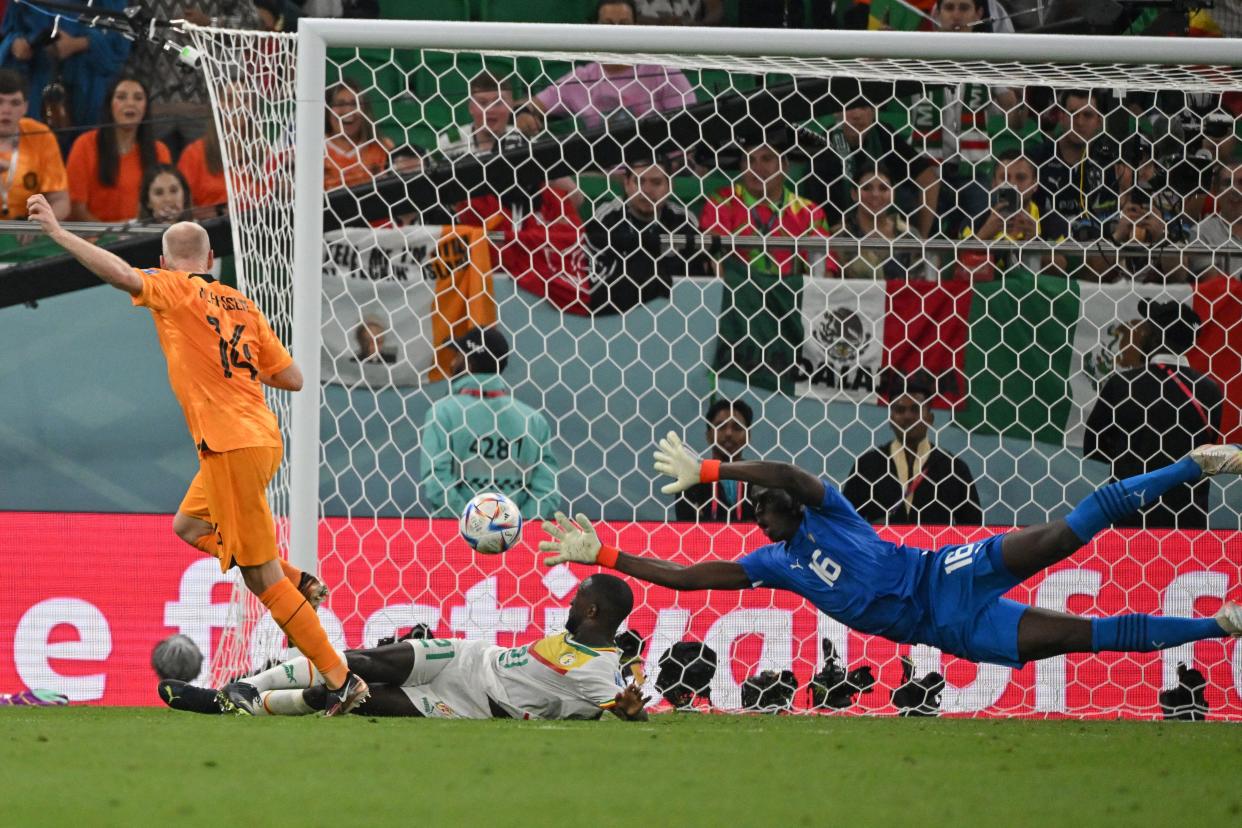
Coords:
709,471
607,556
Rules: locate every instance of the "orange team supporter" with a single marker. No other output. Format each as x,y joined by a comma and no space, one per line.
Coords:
118,202
39,168
207,188
343,168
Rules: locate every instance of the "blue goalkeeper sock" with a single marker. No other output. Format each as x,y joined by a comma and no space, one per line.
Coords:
1139,633
1111,503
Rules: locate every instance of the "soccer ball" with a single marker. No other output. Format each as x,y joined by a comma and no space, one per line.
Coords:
491,523
177,657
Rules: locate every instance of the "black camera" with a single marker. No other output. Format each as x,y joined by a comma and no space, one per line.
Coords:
421,631
1088,229
769,691
833,687
918,697
1006,201
1187,701
685,673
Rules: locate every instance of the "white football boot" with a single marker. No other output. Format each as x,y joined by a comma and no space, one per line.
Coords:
1218,459
1230,619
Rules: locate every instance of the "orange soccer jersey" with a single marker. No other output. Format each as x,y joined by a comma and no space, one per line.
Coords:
217,345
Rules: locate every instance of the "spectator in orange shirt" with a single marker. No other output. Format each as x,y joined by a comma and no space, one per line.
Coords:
202,166
166,197
29,155
352,152
106,164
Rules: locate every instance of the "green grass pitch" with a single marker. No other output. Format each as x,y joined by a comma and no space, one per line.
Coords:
120,766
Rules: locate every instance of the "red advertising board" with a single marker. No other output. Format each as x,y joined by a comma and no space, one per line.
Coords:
86,597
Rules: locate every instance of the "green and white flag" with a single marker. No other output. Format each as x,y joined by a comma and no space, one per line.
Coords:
1022,356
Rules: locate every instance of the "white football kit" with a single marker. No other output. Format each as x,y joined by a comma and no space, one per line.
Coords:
554,678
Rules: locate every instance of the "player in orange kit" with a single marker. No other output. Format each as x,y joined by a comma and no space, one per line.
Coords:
219,348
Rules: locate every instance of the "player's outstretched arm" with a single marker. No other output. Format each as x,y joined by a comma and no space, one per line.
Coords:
675,460
578,543
106,265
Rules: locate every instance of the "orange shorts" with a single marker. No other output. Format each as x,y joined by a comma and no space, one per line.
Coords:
230,493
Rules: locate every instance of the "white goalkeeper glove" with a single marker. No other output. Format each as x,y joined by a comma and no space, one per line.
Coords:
571,542
675,460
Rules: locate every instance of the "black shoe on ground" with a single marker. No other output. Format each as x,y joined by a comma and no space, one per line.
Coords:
241,698
180,695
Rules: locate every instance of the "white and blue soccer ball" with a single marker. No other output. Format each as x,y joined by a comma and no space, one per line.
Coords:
491,523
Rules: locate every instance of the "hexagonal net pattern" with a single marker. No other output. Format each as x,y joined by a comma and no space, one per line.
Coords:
965,293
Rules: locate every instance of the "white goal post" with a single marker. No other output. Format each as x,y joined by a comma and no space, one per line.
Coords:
286,256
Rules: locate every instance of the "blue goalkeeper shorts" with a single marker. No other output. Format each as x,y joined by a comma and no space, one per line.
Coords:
965,614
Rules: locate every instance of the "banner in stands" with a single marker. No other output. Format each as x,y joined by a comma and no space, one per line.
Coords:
995,333
83,621
393,296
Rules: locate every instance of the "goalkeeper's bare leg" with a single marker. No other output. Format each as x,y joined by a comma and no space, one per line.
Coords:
1025,552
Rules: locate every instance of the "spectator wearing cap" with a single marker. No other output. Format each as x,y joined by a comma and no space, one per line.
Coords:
759,321
479,438
908,480
596,93
1156,409
29,155
726,501
629,261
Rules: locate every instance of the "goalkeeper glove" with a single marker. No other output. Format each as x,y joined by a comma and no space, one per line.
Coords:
571,542
675,460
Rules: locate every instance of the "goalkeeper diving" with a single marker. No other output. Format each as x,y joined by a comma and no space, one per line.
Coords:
949,598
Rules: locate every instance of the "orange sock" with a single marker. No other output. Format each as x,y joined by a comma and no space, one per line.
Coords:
291,572
294,615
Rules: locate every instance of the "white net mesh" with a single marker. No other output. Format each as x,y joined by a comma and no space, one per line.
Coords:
977,240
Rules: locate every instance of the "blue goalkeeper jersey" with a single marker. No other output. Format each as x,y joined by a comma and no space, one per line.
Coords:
838,563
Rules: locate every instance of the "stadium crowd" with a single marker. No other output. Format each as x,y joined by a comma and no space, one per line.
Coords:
877,172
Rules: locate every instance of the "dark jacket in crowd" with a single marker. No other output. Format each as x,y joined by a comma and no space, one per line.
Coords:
706,503
945,493
1150,417
629,263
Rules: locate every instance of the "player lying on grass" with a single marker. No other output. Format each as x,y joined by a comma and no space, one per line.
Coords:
572,675
949,598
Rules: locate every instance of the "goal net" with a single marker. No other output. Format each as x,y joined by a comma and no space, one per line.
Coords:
965,278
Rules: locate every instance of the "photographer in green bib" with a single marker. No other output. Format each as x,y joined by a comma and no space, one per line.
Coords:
479,438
